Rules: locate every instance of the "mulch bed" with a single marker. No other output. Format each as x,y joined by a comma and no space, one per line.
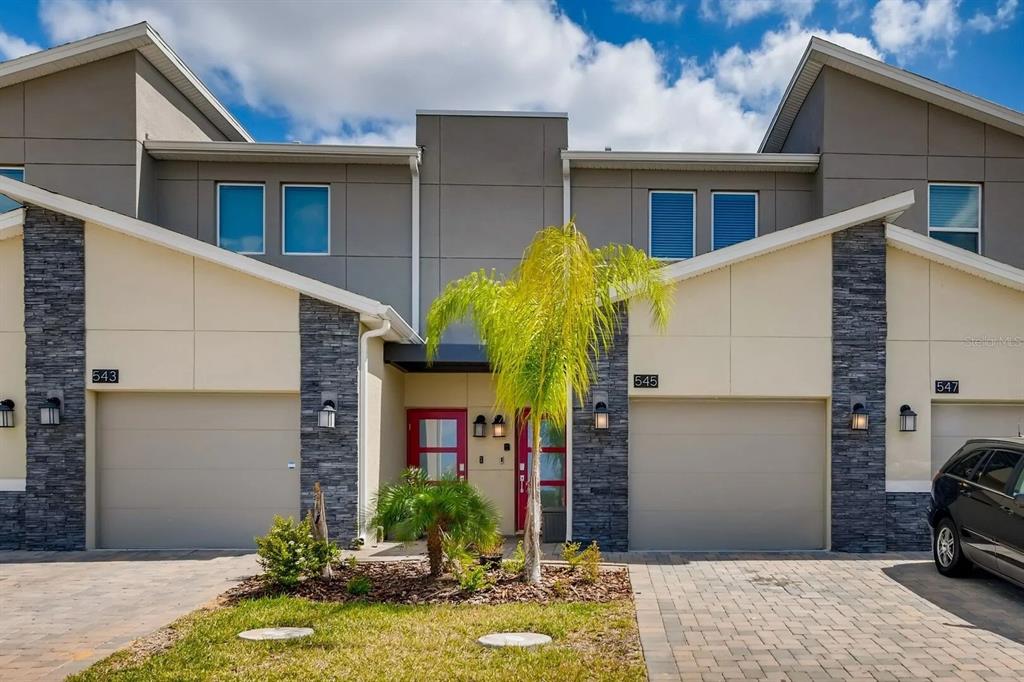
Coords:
409,582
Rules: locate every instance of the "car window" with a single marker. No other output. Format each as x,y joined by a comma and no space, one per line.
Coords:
998,469
1018,488
963,468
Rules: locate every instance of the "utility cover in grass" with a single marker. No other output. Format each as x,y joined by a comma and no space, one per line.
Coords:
518,639
275,633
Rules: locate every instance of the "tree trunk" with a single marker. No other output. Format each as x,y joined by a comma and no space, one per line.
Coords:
531,533
434,551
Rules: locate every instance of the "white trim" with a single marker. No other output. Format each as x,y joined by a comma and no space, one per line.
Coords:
566,217
414,170
261,185
956,230
702,161
757,209
284,242
278,152
650,223
154,234
12,223
955,257
496,112
908,486
883,209
12,485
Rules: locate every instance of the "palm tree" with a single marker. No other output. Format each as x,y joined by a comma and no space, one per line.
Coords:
447,508
542,327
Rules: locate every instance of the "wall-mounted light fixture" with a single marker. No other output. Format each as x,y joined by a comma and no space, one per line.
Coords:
6,414
859,417
498,426
600,406
49,414
908,418
480,426
325,418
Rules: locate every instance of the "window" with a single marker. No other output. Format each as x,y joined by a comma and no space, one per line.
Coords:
966,465
733,218
998,470
954,214
14,173
305,219
240,217
672,219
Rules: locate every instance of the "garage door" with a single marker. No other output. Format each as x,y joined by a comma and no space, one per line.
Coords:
727,475
194,470
953,424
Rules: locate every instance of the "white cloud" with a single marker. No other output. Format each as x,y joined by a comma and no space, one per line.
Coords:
905,27
356,71
652,11
12,47
739,11
1006,12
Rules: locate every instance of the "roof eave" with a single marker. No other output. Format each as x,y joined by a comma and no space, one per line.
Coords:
693,161
264,152
954,257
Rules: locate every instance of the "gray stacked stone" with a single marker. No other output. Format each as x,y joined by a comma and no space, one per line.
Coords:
858,369
12,520
54,498
329,338
600,458
907,527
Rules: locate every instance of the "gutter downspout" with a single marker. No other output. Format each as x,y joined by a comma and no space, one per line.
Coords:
362,434
414,168
566,215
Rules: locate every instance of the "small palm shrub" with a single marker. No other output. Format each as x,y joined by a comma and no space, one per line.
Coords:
289,552
449,508
359,586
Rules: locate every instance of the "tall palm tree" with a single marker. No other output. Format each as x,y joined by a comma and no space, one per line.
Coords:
542,328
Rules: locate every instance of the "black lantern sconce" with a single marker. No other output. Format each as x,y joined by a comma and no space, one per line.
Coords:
6,414
908,419
600,404
326,416
498,426
859,417
49,414
480,426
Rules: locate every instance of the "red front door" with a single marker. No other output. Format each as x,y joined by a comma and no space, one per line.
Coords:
436,442
552,467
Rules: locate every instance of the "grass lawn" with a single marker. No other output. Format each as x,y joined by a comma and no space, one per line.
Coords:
358,641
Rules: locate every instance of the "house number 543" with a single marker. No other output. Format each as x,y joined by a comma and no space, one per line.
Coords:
105,376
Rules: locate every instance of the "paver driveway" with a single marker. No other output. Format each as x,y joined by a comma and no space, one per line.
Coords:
59,612
824,616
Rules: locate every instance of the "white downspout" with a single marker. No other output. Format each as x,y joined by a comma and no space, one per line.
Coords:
362,434
414,168
566,215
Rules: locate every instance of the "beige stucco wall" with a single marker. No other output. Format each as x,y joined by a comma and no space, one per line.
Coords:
171,322
760,328
474,393
945,324
12,359
385,420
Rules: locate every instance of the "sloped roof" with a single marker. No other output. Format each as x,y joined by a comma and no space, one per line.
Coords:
141,37
821,53
154,234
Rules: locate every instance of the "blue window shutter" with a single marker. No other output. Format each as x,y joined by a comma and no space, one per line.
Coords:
735,218
954,206
7,204
240,211
672,224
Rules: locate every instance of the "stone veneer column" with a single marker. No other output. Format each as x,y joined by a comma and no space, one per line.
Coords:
600,458
12,520
54,498
907,527
858,369
329,339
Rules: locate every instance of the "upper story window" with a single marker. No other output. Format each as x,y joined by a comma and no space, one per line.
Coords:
672,224
954,214
240,217
733,218
14,173
305,219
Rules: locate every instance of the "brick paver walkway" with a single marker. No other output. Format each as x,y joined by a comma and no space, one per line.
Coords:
59,612
823,617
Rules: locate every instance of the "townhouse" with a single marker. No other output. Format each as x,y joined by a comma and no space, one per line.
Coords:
195,327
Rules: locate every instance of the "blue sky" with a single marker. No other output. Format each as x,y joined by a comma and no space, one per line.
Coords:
633,74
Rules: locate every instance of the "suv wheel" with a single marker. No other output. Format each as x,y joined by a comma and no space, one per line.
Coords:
949,557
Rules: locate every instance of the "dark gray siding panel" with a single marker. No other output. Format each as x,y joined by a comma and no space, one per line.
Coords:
805,137
864,118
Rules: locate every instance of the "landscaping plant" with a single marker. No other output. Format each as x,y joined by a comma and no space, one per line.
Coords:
542,328
515,563
359,586
590,562
289,551
571,554
449,508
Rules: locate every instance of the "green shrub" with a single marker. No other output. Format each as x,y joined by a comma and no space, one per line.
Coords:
473,578
571,554
351,562
517,561
590,561
289,551
560,588
359,585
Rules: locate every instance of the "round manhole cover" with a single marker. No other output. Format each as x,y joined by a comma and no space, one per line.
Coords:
275,633
519,639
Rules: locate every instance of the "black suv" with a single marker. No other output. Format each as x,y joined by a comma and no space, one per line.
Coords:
977,509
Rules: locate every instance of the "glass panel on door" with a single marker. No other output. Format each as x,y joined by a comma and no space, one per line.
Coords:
552,469
437,443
